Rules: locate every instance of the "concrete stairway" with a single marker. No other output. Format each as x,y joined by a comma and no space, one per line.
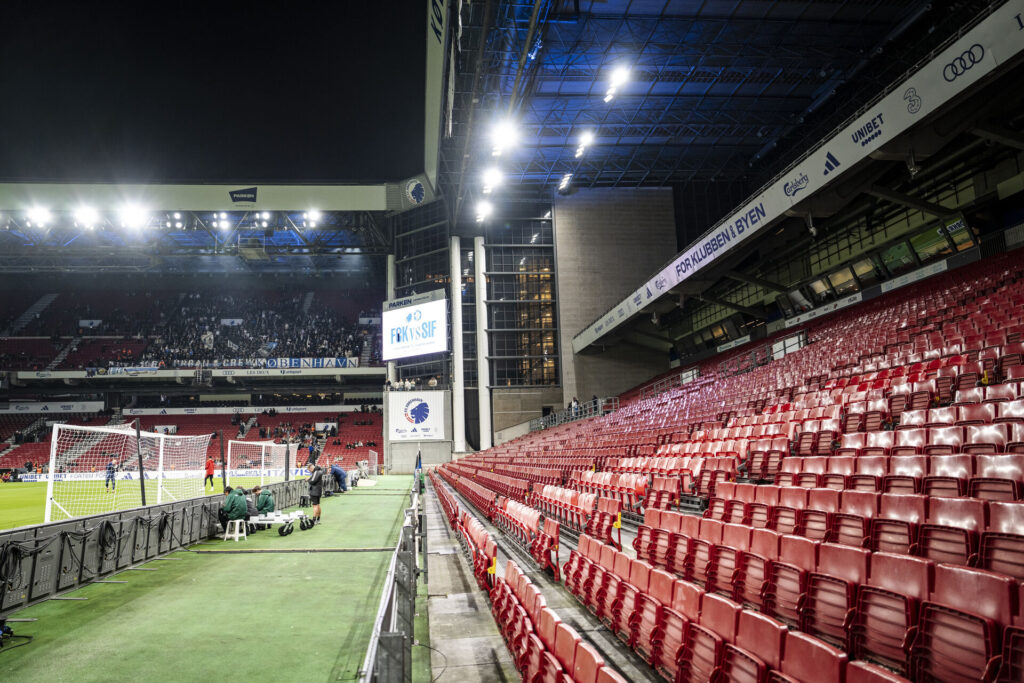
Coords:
39,306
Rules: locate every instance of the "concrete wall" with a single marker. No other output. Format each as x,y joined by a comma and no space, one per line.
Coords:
514,406
607,242
510,433
400,456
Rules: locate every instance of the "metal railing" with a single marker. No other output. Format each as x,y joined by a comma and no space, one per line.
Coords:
389,655
593,408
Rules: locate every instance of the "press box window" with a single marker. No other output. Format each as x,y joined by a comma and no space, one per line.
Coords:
931,244
866,272
843,282
899,259
820,291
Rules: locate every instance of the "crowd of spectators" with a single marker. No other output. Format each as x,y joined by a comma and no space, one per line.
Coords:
193,329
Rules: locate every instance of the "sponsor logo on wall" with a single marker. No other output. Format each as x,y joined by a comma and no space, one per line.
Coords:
246,195
871,130
831,163
963,63
913,100
796,185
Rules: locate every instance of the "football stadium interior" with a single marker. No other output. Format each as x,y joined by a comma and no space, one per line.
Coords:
575,340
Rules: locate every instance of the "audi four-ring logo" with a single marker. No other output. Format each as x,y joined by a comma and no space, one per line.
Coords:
962,64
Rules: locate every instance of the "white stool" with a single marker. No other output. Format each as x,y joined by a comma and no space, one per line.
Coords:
235,528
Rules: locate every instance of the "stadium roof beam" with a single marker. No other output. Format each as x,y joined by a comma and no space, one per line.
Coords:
1004,136
752,312
907,200
752,280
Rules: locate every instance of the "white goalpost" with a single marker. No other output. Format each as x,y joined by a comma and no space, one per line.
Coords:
258,462
97,469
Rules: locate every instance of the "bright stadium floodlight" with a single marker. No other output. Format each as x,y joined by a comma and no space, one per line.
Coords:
264,224
566,179
86,216
620,75
133,216
314,214
177,215
266,215
223,215
177,224
492,178
483,211
503,136
39,215
586,139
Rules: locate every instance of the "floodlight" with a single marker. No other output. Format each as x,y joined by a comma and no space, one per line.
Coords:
178,225
266,215
39,215
133,216
168,224
587,138
264,224
86,216
312,224
503,135
492,178
566,179
483,210
609,96
619,77
313,214
177,215
223,215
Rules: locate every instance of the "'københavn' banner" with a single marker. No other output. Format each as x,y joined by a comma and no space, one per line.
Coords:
416,416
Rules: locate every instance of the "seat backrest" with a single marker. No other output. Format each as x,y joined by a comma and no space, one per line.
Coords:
799,552
744,492
546,628
903,574
914,418
587,663
908,465
687,598
1005,518
998,434
950,466
640,574
736,536
863,503
719,615
661,586
977,591
621,568
765,542
911,438
769,495
1002,466
962,513
876,465
823,500
793,497
566,639
816,465
908,507
762,636
809,659
946,415
842,464
711,530
844,562
982,412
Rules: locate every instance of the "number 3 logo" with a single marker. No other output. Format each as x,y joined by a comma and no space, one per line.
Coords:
913,101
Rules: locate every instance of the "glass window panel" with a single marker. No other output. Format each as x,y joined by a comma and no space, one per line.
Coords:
931,244
960,233
843,282
898,258
866,272
820,291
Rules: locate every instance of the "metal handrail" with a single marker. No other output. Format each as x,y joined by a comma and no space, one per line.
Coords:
593,408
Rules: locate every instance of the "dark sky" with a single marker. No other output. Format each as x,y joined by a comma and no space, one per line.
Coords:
207,91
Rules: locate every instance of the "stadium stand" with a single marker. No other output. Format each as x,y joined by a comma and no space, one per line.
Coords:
861,498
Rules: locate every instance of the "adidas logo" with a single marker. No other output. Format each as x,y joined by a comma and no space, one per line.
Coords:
831,163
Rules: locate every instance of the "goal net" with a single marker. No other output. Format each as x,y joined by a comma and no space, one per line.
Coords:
96,469
258,462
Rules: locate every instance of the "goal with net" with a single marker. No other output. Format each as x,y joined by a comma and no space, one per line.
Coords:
258,462
100,469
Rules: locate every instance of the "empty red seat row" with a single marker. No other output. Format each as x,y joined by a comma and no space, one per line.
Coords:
997,476
967,414
989,438
963,531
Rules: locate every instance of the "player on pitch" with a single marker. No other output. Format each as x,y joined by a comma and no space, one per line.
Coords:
110,483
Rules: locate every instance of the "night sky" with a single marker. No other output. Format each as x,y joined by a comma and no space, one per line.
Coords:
211,91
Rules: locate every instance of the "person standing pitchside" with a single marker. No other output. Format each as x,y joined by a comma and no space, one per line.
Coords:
209,472
110,483
316,489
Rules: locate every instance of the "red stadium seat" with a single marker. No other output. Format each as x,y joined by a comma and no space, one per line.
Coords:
871,470
785,516
587,663
832,592
705,641
751,577
815,521
757,648
787,578
947,475
887,608
809,659
906,472
852,524
951,531
960,628
649,612
1002,543
895,529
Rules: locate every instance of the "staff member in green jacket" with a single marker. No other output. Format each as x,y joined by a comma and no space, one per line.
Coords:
234,506
264,500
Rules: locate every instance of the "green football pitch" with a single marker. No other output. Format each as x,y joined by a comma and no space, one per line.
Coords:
22,504
301,608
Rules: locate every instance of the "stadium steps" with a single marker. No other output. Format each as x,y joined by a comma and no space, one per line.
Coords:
41,304
307,301
59,358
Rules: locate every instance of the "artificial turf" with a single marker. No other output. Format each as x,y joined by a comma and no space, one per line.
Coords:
22,504
212,615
